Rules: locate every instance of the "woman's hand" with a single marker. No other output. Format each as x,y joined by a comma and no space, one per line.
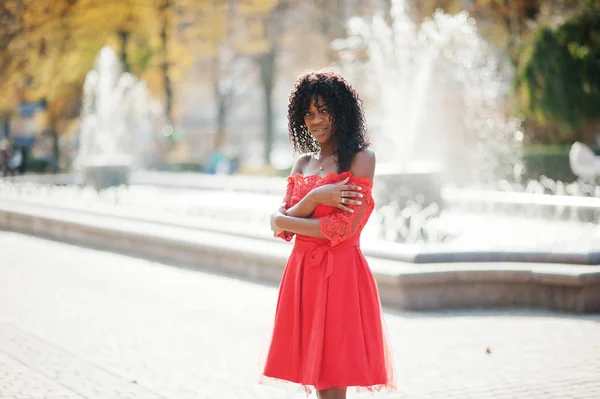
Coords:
337,194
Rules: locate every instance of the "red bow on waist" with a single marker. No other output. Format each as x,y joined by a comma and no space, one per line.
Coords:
316,250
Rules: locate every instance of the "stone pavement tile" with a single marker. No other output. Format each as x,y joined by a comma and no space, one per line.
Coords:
63,369
183,334
19,381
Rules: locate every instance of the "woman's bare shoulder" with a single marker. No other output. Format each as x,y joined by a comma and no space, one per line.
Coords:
300,164
363,164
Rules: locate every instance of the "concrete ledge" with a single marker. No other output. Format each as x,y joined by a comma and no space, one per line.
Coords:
573,257
270,189
569,288
411,254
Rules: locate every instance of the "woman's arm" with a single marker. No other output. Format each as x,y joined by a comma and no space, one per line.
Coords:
329,194
303,209
363,165
298,225
298,167
296,216
337,194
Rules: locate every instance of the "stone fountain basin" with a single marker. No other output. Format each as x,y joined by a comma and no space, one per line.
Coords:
420,183
104,176
211,202
401,285
483,239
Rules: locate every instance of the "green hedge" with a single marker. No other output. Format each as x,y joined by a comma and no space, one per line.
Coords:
37,165
558,74
550,161
180,167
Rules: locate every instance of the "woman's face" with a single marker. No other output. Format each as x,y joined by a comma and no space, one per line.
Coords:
318,120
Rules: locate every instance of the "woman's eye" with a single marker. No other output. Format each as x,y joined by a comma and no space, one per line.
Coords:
325,111
307,114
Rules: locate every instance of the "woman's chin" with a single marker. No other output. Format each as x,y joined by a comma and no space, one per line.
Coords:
322,138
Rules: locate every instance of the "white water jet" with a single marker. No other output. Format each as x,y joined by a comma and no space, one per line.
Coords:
120,124
434,95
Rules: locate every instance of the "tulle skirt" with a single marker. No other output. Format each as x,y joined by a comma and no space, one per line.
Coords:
328,329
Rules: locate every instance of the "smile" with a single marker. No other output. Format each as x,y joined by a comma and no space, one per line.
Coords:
318,131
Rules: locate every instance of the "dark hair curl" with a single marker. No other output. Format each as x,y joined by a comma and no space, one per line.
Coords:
345,107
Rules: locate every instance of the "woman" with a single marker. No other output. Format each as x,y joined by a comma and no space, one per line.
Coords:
328,330
6,157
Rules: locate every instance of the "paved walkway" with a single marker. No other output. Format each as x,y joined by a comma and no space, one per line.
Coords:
81,323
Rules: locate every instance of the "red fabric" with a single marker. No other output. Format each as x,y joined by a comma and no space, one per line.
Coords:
328,329
287,199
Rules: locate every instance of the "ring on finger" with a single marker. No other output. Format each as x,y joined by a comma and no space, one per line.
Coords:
343,200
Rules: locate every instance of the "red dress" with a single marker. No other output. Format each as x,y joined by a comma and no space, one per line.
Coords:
328,329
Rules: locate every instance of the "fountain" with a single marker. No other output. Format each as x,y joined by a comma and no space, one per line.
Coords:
433,94
465,153
119,125
449,180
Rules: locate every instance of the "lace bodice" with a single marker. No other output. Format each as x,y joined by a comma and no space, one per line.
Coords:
336,225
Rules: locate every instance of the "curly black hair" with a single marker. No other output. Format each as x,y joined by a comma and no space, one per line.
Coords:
346,110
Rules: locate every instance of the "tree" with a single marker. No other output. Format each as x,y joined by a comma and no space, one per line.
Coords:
165,16
267,66
559,73
51,45
553,45
243,31
42,58
503,22
329,18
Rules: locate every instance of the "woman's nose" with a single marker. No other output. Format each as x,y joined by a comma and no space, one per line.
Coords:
317,118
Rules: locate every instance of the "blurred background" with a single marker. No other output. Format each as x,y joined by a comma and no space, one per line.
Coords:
504,85
478,110
144,142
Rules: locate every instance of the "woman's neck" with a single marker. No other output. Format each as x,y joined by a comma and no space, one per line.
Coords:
326,150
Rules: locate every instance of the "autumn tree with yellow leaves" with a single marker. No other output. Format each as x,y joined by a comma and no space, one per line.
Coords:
47,47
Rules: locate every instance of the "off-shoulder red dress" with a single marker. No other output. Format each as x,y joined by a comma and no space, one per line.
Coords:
328,330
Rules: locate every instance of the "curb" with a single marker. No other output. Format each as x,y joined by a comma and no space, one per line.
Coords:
567,288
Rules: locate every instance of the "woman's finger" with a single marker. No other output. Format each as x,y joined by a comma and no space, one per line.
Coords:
351,194
345,208
351,187
342,182
348,201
